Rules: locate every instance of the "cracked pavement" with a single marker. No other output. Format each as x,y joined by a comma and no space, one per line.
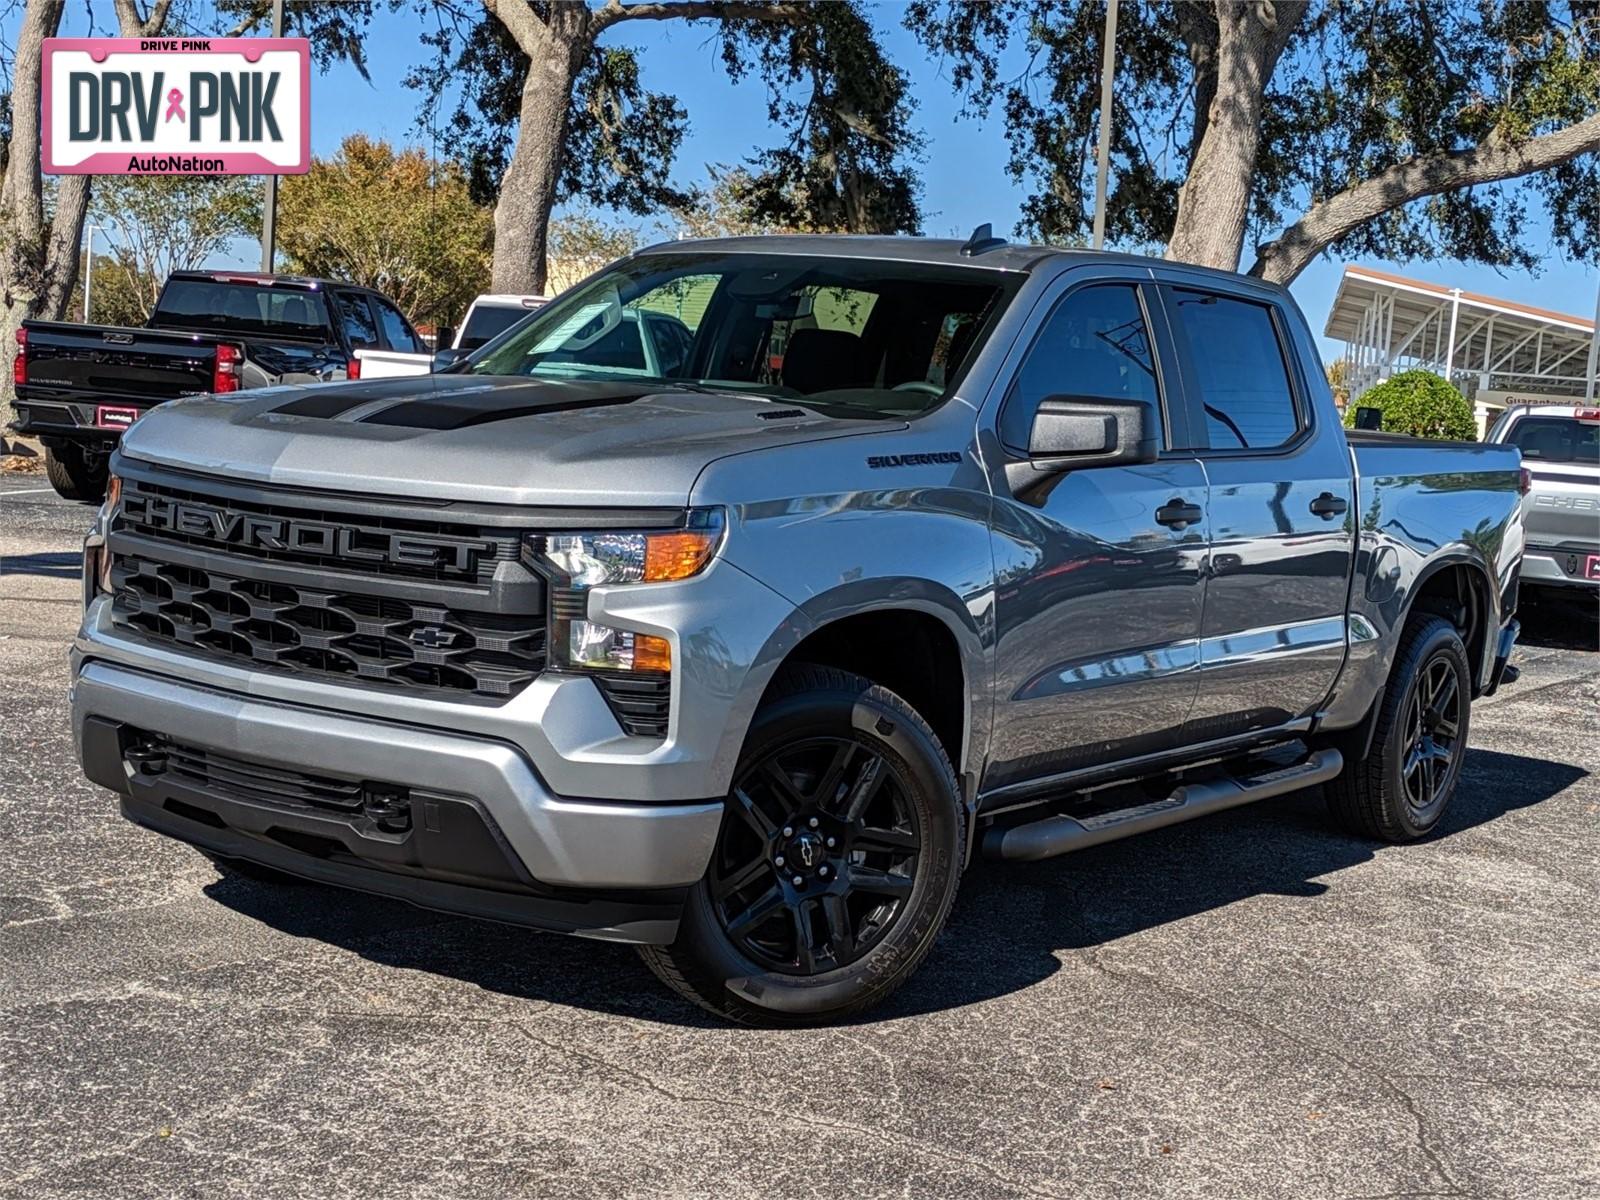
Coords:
1251,1005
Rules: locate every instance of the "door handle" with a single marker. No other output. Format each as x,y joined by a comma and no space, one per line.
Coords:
1178,513
1328,505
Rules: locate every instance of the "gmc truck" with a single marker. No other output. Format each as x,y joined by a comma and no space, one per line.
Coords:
742,656
78,387
1560,443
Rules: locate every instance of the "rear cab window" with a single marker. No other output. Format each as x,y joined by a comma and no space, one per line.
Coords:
1557,439
1236,358
241,306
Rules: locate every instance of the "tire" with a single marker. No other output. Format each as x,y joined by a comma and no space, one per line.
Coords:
72,476
881,863
1399,792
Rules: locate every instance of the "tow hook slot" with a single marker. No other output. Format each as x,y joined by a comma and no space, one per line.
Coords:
389,808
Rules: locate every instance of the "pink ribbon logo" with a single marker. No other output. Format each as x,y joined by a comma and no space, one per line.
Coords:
175,106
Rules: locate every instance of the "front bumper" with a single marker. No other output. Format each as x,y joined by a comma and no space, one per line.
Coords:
482,834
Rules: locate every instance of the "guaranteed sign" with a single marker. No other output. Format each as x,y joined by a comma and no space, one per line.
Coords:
177,106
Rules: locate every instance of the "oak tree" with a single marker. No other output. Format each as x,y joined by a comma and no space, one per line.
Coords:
1264,133
550,110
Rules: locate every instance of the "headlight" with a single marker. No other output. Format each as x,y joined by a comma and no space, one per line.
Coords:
578,561
97,559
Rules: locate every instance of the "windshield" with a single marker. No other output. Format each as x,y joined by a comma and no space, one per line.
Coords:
1557,439
488,321
863,336
241,308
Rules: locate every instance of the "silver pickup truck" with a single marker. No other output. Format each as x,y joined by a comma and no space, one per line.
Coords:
1560,444
741,645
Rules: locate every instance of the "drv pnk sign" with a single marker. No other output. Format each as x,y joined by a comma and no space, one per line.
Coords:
176,106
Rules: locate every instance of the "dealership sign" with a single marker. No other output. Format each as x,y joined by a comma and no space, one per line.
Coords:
177,106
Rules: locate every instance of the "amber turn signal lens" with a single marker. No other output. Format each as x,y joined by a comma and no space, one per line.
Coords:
669,556
651,653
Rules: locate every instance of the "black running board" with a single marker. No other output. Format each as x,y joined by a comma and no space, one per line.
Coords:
1060,834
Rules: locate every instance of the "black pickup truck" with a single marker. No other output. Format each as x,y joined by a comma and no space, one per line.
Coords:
79,386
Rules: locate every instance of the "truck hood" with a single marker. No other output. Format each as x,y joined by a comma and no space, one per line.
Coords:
505,440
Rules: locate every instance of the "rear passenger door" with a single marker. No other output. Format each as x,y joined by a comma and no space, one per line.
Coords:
1098,580
1281,529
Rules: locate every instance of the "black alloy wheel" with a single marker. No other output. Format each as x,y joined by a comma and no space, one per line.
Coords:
836,862
1396,787
1433,729
818,858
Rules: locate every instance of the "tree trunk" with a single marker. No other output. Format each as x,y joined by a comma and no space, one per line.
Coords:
1214,203
39,259
528,191
24,240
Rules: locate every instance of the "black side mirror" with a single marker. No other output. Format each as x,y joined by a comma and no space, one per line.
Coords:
443,337
1369,418
443,360
1072,432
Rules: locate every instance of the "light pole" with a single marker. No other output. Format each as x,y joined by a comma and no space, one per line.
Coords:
1594,353
1102,158
88,267
269,207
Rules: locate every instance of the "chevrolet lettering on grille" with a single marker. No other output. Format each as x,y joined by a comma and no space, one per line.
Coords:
222,525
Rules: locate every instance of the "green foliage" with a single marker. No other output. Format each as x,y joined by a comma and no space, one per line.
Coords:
841,158
581,242
390,220
1419,403
165,223
1362,86
847,159
117,294
621,138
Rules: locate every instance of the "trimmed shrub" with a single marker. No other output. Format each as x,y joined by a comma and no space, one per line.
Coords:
1419,403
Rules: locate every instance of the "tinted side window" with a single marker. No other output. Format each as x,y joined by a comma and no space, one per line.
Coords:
1095,344
396,330
1239,367
359,327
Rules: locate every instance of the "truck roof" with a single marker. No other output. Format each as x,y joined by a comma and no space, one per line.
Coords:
224,276
994,253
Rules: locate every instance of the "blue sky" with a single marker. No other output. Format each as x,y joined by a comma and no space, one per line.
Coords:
964,178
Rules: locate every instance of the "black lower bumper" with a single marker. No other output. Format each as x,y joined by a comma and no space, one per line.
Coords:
434,851
61,424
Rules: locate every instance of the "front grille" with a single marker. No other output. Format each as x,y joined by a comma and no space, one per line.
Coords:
363,595
148,510
354,637
641,703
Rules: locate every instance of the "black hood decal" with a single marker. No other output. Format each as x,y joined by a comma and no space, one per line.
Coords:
456,402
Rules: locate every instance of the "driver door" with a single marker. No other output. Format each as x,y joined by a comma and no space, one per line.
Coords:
1099,584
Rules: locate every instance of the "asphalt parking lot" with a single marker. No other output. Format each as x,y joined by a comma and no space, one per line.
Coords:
1251,1005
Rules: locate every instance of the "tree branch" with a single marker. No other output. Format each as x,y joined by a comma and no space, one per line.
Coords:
1497,157
256,15
522,23
614,11
131,24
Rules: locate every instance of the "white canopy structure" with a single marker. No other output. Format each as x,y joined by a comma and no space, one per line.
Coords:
1498,352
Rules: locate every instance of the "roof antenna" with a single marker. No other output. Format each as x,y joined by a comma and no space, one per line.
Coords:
982,239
